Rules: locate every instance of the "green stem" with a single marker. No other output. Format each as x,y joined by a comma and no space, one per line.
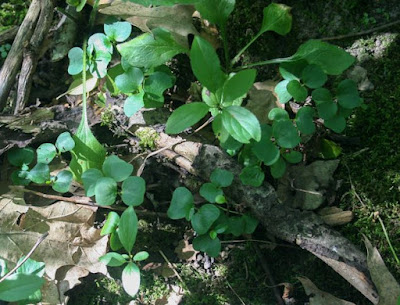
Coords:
227,210
267,62
388,240
236,58
226,49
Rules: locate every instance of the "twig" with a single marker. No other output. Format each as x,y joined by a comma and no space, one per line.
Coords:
173,269
388,240
257,241
302,190
352,186
234,292
362,32
268,273
41,238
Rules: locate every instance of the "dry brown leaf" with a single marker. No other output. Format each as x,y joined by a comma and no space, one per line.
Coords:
70,251
262,99
387,286
185,251
319,297
177,19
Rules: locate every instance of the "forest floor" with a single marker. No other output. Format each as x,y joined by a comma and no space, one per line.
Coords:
368,173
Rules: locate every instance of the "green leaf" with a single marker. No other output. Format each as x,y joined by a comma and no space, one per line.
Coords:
278,168
133,190
326,110
105,191
99,63
277,18
20,156
128,227
19,177
89,179
155,85
241,124
75,56
313,76
331,59
329,149
186,116
181,204
111,224
115,243
213,100
3,267
215,11
221,177
204,218
131,279
87,153
118,31
133,104
112,259
81,5
141,256
285,133
99,42
208,245
39,174
337,123
19,286
46,153
250,224
282,92
31,266
304,120
321,95
130,80
297,90
150,49
117,168
347,94
265,150
292,70
277,114
236,226
63,181
65,142
164,2
238,85
206,65
252,175
220,199
293,156
210,191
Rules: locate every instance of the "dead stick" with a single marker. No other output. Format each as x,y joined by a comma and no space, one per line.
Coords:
41,238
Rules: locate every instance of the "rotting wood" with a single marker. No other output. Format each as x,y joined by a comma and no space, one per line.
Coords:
304,228
12,64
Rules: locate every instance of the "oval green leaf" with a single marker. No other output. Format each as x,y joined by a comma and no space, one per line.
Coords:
210,191
297,90
105,191
204,218
130,80
75,56
112,259
252,175
46,153
39,174
285,133
313,76
128,227
208,245
117,168
89,179
20,156
111,224
63,181
221,177
141,256
65,142
186,116
277,18
181,204
133,190
133,104
278,168
304,120
238,85
118,31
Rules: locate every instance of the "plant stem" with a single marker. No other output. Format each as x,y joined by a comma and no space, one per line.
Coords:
236,58
38,242
267,62
388,240
226,49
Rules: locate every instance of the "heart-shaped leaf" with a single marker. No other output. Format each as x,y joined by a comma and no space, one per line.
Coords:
181,204
63,181
252,175
204,218
130,80
89,179
155,85
304,120
20,156
133,190
39,174
278,168
210,191
313,76
347,94
285,133
186,116
282,92
297,90
65,142
46,153
293,156
208,245
117,168
221,177
337,123
277,114
265,150
105,191
118,31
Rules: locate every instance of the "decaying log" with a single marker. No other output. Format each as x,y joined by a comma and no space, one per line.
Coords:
13,61
304,228
32,53
8,35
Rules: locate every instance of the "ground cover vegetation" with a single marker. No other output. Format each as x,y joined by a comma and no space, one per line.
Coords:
314,99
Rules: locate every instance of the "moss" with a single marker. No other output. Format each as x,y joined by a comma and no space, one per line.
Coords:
148,136
12,13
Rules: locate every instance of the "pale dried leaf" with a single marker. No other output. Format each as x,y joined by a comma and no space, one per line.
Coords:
319,297
177,19
262,99
70,251
387,286
185,251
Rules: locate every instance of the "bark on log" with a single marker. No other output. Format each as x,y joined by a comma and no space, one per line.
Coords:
13,61
8,35
32,54
304,228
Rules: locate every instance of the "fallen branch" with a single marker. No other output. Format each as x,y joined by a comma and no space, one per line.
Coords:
304,228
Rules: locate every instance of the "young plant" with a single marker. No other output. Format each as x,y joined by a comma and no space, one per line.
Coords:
104,185
211,219
40,173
